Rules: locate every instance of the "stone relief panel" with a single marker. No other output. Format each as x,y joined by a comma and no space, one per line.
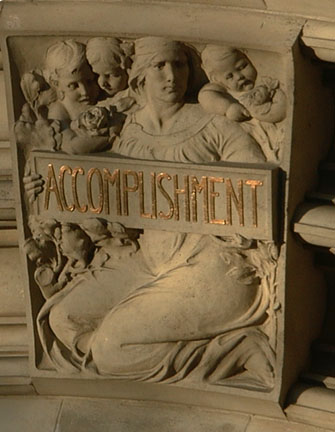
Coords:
127,302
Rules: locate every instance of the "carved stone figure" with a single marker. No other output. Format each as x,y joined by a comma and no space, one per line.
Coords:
161,75
61,113
195,308
232,92
110,59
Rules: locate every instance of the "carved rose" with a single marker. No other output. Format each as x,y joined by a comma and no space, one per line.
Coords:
32,250
258,96
94,121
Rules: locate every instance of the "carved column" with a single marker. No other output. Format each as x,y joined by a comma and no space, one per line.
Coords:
14,375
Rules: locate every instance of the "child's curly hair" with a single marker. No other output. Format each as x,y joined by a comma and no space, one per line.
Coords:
110,51
69,55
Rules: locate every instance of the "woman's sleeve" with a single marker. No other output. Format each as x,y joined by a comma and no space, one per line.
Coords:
234,144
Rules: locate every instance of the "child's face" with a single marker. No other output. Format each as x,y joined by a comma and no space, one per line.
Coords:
74,244
237,73
78,87
112,78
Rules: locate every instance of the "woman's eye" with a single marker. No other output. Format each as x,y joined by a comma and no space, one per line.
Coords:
229,76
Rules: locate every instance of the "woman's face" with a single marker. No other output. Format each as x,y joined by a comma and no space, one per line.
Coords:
166,78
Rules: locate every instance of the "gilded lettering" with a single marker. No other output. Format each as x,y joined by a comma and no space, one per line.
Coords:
114,178
160,178
153,195
197,187
126,188
75,172
212,195
239,204
51,186
64,169
153,214
254,184
185,191
90,174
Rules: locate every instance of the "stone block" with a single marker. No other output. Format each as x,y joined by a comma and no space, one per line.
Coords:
200,310
131,416
5,157
28,414
11,287
268,425
3,110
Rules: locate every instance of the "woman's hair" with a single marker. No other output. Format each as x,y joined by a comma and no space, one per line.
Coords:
110,51
147,48
66,55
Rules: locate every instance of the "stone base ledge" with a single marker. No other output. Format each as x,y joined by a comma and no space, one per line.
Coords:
312,405
49,414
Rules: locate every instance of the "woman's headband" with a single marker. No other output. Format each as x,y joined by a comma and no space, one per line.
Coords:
151,45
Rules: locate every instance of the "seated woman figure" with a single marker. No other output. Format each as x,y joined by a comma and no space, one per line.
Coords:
186,311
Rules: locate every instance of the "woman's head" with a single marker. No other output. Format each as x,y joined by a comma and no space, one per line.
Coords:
162,69
110,59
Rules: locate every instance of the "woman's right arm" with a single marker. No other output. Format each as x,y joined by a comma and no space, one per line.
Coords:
234,144
33,186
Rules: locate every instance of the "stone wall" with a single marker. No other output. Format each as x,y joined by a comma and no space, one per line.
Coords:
303,405
13,333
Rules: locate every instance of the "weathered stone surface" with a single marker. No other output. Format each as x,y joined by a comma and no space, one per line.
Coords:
221,314
267,425
11,287
154,107
128,416
4,132
28,414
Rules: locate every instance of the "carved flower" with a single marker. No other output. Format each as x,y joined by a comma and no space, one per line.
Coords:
94,121
258,96
42,230
32,250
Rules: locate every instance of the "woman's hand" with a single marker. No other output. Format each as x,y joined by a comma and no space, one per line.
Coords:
33,185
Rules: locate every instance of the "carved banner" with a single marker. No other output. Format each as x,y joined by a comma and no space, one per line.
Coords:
215,199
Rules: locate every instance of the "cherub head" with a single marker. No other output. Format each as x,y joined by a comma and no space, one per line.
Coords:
228,67
68,72
110,59
76,244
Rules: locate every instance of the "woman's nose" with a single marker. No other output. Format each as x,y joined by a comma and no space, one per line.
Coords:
170,72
